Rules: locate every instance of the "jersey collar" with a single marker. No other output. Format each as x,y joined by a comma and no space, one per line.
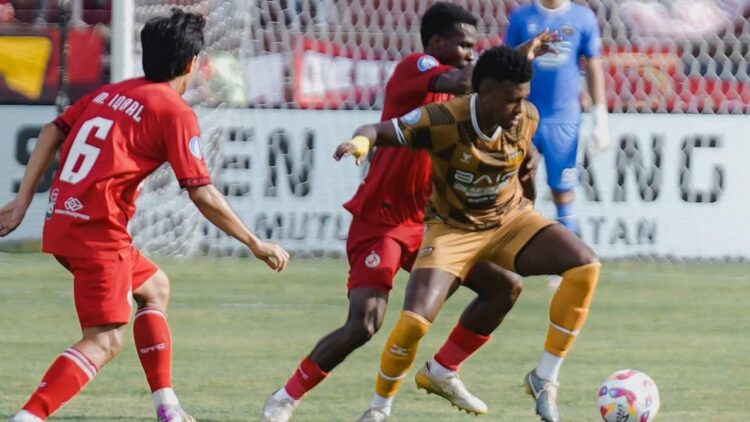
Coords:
475,122
538,4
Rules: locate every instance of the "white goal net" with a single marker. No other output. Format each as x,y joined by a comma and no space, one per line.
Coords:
281,81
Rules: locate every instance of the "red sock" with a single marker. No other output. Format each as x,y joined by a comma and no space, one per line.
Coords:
153,343
461,344
64,379
305,378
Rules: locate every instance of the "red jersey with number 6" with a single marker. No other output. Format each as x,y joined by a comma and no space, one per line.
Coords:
397,186
116,136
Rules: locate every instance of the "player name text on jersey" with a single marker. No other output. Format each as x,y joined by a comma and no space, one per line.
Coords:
119,102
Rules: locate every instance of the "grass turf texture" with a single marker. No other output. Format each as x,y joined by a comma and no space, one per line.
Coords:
239,330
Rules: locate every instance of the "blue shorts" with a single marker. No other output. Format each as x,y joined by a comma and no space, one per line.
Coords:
558,144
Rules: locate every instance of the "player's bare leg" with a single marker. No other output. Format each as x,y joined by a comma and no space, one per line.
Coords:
497,291
72,370
153,343
427,290
556,250
366,312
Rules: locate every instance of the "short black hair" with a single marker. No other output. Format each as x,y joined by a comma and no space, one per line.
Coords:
440,19
170,43
501,63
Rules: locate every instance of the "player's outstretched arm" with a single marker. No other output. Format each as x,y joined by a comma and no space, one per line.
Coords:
455,81
539,45
216,209
50,139
383,133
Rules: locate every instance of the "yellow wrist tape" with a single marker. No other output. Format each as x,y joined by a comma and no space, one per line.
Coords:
362,144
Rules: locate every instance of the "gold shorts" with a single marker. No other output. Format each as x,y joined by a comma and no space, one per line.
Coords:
455,250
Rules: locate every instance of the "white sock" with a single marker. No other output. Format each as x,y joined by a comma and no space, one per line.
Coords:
24,416
382,403
165,396
283,395
439,370
548,367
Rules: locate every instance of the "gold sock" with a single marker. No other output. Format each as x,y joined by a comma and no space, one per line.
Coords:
570,306
399,352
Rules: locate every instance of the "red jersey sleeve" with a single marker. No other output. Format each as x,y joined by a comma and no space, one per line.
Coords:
182,139
68,118
414,76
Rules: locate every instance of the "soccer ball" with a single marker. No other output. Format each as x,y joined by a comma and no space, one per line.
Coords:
628,396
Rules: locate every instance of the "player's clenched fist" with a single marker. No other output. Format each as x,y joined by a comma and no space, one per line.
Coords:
358,147
272,254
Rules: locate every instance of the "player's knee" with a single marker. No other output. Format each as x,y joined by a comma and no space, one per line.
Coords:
583,255
155,292
360,331
161,287
514,285
109,342
486,281
510,288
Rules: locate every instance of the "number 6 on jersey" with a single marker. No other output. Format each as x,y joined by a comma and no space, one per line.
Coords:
88,152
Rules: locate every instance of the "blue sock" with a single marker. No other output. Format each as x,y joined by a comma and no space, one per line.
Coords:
566,217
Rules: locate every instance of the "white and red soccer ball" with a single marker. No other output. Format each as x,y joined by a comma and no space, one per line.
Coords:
628,396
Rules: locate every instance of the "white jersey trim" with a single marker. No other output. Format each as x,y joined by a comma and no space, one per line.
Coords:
475,122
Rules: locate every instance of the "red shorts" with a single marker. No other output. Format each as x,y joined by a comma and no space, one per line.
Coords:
102,288
377,251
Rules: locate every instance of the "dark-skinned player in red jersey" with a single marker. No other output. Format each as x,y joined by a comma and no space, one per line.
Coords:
109,141
387,226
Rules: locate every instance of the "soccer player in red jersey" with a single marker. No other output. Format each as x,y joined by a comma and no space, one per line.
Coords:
109,141
387,226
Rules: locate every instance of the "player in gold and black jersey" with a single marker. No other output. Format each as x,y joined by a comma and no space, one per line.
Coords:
478,145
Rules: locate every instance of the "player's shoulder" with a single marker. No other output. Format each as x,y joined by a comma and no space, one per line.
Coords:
457,109
522,12
582,11
417,62
162,100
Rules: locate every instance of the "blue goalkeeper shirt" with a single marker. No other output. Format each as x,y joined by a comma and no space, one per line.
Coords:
555,88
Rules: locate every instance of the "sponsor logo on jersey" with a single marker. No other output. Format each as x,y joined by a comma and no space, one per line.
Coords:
73,204
412,117
465,157
532,27
51,205
372,260
426,63
567,30
195,147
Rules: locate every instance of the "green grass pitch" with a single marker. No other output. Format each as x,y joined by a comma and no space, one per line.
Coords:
239,330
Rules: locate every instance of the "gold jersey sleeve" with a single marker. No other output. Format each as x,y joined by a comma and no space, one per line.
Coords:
474,175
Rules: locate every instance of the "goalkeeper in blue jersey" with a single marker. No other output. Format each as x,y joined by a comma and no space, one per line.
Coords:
555,91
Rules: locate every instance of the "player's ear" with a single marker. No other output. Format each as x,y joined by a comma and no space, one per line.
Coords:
437,41
192,65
